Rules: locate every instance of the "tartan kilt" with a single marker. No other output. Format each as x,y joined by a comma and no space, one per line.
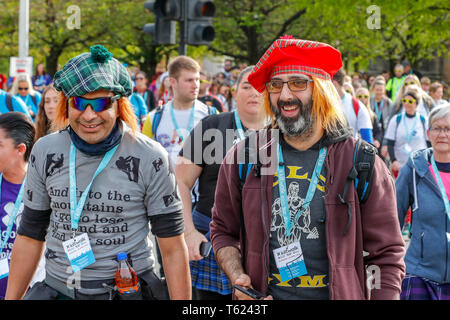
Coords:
417,288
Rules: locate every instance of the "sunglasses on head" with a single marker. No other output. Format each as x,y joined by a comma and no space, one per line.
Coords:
362,96
276,86
410,101
98,105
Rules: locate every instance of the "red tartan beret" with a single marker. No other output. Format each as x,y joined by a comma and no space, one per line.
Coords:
289,55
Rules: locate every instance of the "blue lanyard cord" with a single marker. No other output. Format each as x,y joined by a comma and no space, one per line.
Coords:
12,217
284,201
239,127
409,133
378,111
77,208
174,121
441,187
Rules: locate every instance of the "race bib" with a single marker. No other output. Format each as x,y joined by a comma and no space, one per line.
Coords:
290,261
79,252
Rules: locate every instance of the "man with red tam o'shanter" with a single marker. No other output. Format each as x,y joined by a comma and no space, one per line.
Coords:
289,224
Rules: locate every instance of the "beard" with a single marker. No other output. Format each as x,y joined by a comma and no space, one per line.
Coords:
300,125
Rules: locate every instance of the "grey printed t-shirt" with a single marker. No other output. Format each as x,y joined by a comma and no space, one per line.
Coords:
137,183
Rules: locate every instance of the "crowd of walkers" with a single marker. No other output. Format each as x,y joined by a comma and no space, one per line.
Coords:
162,155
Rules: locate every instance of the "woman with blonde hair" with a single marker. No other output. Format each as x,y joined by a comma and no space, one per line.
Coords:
425,103
23,89
362,94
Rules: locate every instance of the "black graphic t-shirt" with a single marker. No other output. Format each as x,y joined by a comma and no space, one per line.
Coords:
309,228
206,146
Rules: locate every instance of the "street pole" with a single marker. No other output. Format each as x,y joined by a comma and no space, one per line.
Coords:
183,47
24,27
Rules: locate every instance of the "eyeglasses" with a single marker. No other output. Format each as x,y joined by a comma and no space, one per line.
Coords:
410,101
437,131
409,83
362,96
276,86
98,105
23,89
139,78
348,91
204,81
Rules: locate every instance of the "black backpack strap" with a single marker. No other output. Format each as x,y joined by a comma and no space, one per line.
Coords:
361,174
9,103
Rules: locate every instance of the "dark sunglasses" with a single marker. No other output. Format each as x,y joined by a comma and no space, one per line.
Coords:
276,86
23,89
409,83
362,96
98,105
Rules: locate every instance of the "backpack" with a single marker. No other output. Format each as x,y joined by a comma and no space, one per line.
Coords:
361,174
398,119
158,115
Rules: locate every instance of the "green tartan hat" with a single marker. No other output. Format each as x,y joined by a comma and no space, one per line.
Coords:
91,71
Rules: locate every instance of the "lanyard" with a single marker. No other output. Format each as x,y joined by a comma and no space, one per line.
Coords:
441,187
379,110
12,217
77,208
311,189
409,133
174,121
238,122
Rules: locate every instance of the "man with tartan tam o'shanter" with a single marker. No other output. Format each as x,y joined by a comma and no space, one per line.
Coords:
290,226
97,183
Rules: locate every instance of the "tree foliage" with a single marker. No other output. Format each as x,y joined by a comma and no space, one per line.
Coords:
413,30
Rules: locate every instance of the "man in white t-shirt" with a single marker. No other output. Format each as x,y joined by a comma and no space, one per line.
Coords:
356,113
171,124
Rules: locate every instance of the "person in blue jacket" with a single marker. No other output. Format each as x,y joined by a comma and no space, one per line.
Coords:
139,107
23,89
8,103
424,185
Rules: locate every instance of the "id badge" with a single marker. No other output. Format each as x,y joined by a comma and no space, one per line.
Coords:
290,261
408,149
79,252
4,268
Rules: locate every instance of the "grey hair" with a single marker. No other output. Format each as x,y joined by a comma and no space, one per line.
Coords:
439,112
241,76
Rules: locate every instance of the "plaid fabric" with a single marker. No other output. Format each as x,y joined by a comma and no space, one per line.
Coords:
417,288
91,71
207,275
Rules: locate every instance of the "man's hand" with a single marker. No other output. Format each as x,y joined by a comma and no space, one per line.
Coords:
244,281
193,240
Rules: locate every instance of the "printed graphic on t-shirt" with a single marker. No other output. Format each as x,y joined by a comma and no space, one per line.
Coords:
129,165
303,223
307,228
53,163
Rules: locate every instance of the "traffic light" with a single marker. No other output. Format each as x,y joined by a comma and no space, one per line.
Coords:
166,12
198,22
